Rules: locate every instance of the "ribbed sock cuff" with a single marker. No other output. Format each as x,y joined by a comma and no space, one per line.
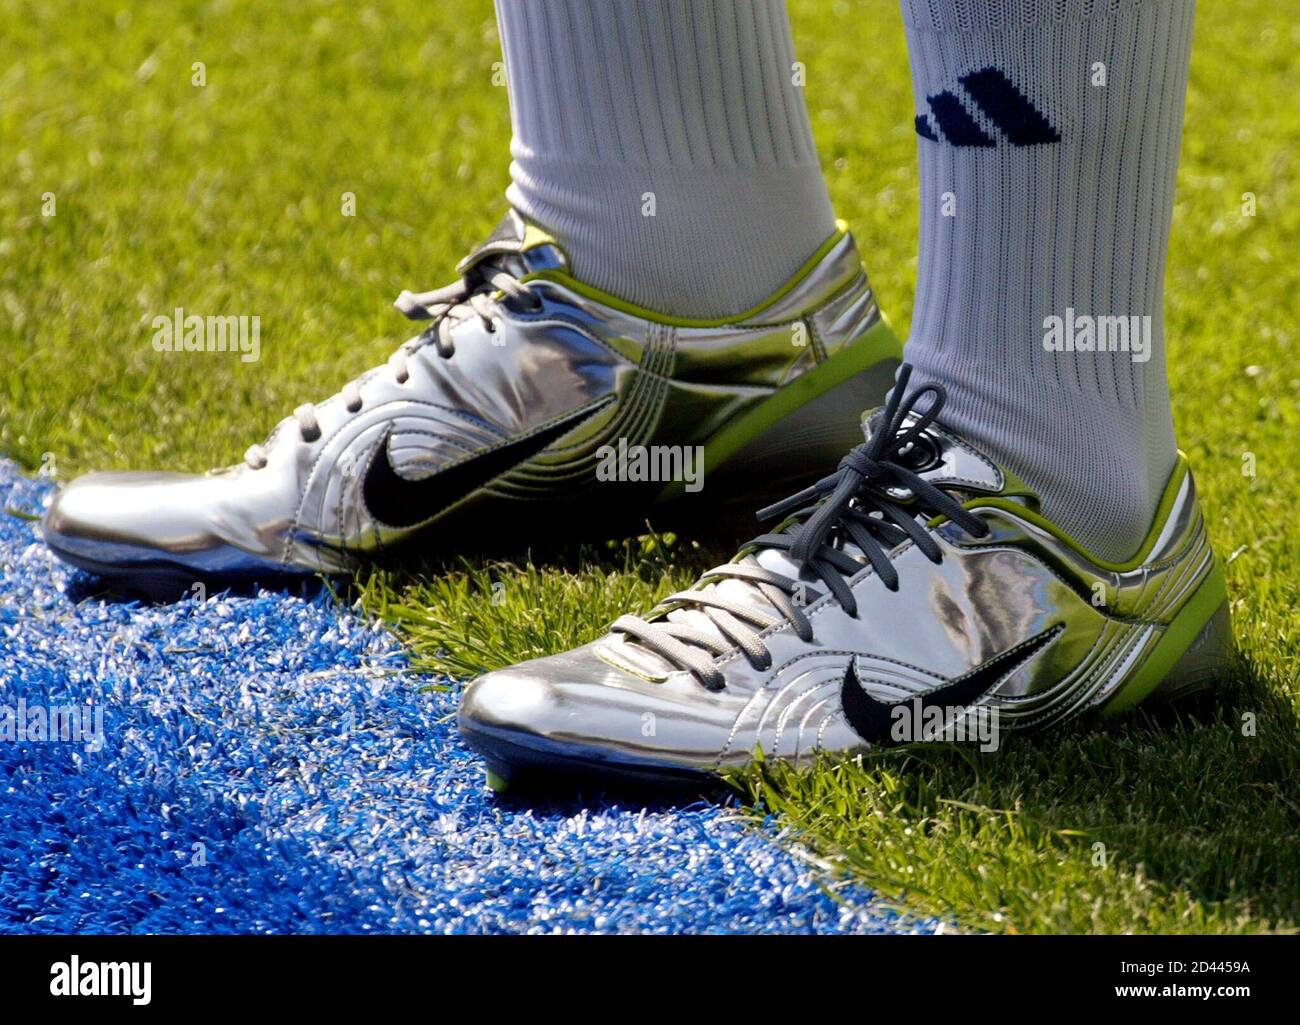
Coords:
1000,15
666,146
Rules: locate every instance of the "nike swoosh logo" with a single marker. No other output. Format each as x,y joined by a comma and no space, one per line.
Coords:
397,502
872,720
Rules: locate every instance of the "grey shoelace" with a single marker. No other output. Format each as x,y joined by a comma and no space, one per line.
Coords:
475,294
739,625
851,506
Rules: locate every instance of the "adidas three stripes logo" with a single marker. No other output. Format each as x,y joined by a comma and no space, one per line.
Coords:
1001,102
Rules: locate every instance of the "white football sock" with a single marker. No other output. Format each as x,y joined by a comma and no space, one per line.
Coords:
1049,145
683,108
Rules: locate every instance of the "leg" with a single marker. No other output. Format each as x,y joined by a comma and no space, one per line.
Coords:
958,575
690,102
1048,150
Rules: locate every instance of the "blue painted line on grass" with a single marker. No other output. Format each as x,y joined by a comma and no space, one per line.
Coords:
269,764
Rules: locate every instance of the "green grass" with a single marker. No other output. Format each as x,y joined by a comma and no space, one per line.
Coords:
226,198
462,618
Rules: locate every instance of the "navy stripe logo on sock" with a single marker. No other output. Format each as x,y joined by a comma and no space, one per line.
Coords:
957,125
1010,111
1005,105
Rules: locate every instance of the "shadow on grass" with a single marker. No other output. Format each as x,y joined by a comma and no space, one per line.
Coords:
1195,807
644,552
87,586
410,565
1206,796
561,796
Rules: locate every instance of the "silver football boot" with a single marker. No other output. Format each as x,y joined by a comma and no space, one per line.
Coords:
529,398
916,594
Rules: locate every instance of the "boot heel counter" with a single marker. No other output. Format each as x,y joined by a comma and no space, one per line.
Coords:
845,317
1194,649
1206,661
1208,654
1178,557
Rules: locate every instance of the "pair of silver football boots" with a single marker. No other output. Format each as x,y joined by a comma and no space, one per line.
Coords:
910,591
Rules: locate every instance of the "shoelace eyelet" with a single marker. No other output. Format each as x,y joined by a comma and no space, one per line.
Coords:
921,454
455,301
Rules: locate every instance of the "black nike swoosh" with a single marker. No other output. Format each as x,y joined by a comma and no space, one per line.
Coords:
397,502
872,720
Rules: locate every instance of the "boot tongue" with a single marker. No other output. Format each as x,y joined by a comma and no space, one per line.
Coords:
739,592
518,246
952,461
956,465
